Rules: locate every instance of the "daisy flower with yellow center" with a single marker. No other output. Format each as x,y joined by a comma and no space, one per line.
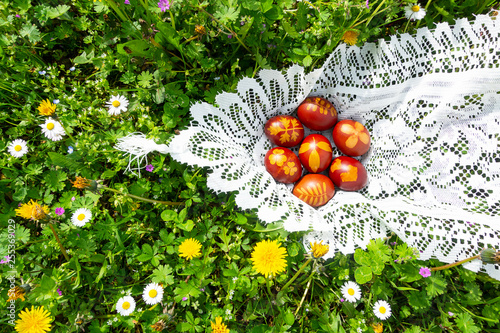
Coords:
32,211
36,320
218,326
125,305
350,37
190,248
152,294
116,105
18,148
53,129
268,258
46,108
351,291
319,250
382,310
414,12
81,216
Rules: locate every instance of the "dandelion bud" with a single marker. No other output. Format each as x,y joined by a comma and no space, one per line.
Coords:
490,256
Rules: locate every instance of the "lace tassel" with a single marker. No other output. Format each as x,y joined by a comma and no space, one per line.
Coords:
138,148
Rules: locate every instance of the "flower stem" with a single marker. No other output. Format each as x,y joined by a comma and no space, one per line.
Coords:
455,263
296,275
169,203
268,285
63,250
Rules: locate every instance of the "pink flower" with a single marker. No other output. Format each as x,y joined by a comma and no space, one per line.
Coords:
59,292
164,5
59,210
73,198
6,261
18,16
127,2
425,272
150,167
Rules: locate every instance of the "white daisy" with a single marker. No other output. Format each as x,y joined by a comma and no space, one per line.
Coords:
81,216
125,305
117,104
414,12
18,148
382,310
152,294
351,291
52,129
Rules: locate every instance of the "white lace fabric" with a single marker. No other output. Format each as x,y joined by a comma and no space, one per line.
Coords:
431,102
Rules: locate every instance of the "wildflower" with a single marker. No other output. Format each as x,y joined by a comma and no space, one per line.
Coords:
56,101
342,300
159,326
378,327
81,182
414,12
150,167
152,294
450,314
350,37
269,257
127,2
184,299
367,3
117,104
425,272
125,305
18,148
42,72
200,30
16,293
164,5
18,16
382,310
36,320
46,108
319,250
60,211
59,292
190,248
72,69
70,150
6,260
81,216
52,129
218,326
32,210
351,291
490,256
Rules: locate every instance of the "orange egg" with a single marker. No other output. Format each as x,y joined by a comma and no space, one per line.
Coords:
314,189
315,153
317,113
284,131
348,173
351,137
283,165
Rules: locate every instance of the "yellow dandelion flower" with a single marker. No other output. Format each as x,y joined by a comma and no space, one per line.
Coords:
218,326
81,182
190,248
350,37
269,257
378,327
319,250
159,326
32,210
33,321
46,108
16,293
200,30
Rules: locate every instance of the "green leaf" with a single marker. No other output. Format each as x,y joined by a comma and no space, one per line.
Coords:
145,79
465,323
307,61
186,289
22,234
168,215
436,286
163,274
55,180
289,29
361,257
227,14
240,219
363,274
408,272
379,250
419,300
136,48
147,253
64,161
84,58
31,31
57,11
289,318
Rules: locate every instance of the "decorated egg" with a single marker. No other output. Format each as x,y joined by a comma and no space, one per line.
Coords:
315,153
284,131
348,173
317,113
314,189
283,165
351,137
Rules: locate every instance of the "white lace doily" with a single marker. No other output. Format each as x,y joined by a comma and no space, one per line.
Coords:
431,102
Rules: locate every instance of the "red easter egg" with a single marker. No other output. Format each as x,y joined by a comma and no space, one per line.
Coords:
351,137
283,165
317,113
348,173
315,153
314,189
284,131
